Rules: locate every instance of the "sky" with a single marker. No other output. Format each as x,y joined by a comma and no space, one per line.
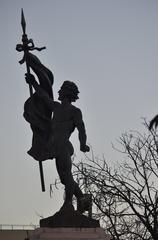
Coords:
109,48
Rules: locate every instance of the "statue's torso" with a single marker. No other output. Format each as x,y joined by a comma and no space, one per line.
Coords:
63,123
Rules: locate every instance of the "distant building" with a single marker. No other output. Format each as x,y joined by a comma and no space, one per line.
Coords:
15,232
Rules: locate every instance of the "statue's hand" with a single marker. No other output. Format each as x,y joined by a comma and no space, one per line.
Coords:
85,148
30,79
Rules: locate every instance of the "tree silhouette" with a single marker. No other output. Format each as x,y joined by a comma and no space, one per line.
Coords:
125,195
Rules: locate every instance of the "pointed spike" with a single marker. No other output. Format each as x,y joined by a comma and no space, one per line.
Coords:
23,22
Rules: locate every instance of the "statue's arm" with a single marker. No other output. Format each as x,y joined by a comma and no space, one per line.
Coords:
45,76
81,130
30,79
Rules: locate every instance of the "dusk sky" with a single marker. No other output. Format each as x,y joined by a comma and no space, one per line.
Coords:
109,48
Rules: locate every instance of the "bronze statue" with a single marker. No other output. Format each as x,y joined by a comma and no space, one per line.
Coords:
51,135
52,123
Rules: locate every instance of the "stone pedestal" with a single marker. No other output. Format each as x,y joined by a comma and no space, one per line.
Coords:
68,234
70,219
68,224
67,217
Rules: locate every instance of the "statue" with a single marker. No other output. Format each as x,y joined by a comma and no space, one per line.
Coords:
51,133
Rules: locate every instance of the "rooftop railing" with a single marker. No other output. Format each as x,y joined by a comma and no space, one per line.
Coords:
17,227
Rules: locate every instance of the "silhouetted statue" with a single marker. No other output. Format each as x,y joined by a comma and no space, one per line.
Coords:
51,134
153,122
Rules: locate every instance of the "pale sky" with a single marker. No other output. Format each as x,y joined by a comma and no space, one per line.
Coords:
109,48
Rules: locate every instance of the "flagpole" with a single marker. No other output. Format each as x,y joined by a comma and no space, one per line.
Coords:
27,44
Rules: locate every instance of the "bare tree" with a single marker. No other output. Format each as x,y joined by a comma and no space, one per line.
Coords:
125,195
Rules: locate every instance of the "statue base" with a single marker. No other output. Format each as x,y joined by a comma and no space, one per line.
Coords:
68,234
68,217
68,224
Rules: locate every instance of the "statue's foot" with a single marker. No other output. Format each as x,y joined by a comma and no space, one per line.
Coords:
84,203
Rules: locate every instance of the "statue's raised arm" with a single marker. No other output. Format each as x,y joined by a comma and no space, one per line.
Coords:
45,76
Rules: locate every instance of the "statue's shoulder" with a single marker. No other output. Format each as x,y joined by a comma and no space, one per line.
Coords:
76,110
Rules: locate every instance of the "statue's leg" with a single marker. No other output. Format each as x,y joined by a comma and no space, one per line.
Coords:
63,165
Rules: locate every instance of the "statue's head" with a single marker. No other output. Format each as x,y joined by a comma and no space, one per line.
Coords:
69,90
